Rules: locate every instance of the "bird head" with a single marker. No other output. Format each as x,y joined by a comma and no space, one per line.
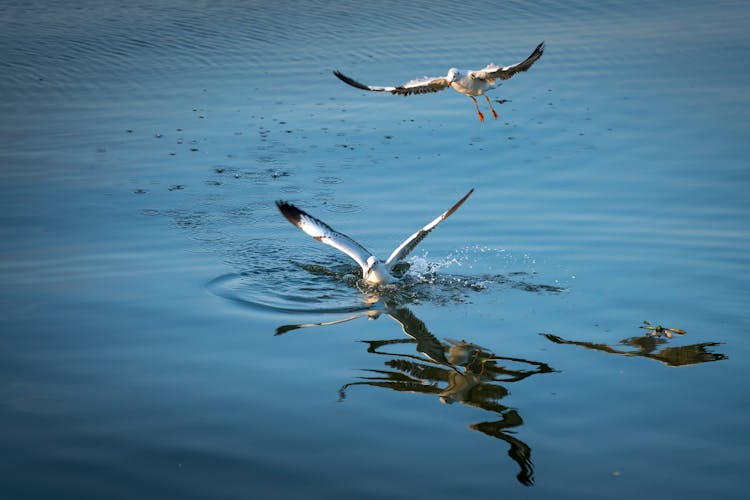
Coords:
375,273
453,75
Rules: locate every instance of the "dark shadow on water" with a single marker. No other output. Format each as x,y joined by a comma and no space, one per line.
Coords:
455,371
652,347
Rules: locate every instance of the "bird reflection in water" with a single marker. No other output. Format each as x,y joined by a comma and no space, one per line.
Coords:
455,371
653,345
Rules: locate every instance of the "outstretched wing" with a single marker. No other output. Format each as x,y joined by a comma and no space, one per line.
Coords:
412,241
324,233
492,71
418,86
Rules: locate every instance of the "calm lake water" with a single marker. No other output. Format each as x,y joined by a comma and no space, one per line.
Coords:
167,334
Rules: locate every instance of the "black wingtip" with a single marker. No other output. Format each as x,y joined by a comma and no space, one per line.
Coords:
525,65
285,328
458,204
292,213
349,81
283,205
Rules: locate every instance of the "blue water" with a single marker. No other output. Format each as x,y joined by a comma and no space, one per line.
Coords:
167,334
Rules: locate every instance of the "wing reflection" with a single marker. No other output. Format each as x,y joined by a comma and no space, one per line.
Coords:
652,347
454,371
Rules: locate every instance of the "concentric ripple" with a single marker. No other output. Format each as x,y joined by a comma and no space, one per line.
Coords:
315,288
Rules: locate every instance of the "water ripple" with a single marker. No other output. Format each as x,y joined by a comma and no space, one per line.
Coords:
314,288
251,290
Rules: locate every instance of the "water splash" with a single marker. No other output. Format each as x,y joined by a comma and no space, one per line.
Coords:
478,268
339,288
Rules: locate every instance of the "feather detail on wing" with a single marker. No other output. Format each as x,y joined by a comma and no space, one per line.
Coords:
324,233
418,86
422,86
492,71
412,241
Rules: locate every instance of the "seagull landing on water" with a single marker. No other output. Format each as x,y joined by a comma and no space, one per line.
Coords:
469,82
373,270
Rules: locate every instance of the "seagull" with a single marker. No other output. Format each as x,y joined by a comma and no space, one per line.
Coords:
469,82
373,270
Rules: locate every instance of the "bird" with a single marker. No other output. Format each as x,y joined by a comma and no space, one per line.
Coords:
468,82
374,271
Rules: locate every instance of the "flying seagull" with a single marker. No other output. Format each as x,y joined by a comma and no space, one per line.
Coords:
469,82
373,270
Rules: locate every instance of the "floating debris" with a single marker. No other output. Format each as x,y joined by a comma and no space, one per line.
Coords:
276,174
660,330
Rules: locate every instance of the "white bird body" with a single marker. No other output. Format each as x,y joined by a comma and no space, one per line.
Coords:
374,271
471,83
462,81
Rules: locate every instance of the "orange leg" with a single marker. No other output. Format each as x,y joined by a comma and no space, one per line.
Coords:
490,105
481,116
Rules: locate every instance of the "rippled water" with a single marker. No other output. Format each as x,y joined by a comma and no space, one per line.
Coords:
167,334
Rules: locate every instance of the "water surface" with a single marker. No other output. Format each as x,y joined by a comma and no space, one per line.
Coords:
167,334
